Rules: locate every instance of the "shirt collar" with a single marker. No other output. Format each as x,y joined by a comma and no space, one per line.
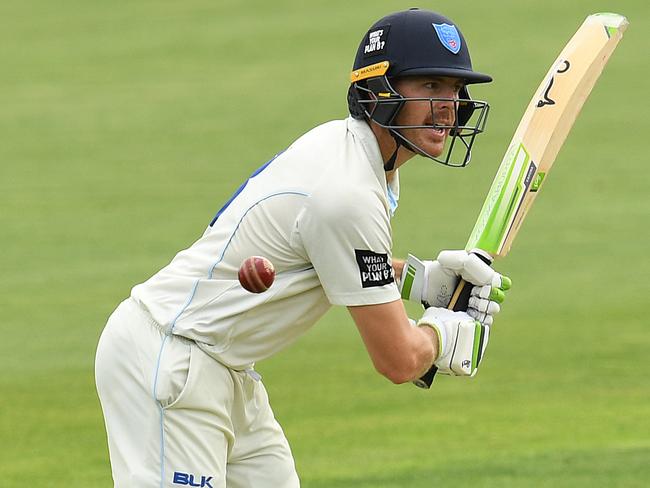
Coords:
364,134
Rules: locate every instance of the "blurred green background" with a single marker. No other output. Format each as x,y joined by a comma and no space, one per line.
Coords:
125,125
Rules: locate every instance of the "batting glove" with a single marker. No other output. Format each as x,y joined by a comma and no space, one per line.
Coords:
433,283
462,340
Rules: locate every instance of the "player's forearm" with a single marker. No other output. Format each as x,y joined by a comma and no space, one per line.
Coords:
430,355
399,351
414,359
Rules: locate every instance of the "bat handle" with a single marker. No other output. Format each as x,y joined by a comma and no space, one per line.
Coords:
458,303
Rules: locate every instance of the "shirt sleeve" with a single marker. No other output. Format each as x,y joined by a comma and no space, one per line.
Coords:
347,238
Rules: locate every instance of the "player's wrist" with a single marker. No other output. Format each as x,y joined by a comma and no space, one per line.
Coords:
433,334
433,320
398,270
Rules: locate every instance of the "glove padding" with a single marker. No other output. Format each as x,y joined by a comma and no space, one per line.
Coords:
462,340
433,283
484,303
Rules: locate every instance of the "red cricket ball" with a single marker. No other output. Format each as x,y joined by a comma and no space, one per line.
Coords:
256,274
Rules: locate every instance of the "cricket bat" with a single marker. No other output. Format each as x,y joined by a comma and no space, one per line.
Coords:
541,132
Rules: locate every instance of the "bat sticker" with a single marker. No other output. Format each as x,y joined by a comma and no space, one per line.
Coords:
537,182
546,100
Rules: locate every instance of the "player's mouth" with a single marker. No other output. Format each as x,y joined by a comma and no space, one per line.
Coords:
439,126
440,131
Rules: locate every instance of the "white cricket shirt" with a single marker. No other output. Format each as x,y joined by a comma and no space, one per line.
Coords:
319,211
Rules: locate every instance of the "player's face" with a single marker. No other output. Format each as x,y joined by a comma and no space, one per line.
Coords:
432,140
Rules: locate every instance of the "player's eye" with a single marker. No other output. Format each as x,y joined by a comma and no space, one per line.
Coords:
435,87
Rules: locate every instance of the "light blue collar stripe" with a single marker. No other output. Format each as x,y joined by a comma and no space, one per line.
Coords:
393,200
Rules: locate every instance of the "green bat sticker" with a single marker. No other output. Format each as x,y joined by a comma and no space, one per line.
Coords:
509,187
537,182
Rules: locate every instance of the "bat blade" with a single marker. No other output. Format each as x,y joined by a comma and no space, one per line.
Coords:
543,129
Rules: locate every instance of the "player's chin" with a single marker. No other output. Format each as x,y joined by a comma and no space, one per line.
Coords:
435,144
436,150
429,142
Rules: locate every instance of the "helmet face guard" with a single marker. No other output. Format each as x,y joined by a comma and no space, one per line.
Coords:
380,102
417,43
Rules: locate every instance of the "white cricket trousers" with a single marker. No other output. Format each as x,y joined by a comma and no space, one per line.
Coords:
176,417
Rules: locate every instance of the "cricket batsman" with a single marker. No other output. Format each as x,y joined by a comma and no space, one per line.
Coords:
182,402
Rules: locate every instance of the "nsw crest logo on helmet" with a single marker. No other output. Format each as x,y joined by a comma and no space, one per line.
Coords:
449,37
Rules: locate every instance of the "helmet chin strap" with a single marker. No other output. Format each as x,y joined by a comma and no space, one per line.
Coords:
390,164
400,141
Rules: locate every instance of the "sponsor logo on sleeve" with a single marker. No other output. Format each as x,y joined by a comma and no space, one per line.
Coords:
374,268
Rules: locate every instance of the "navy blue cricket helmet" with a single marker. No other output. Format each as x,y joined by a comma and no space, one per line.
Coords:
415,42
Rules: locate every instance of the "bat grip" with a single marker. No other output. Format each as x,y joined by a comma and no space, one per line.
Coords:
458,303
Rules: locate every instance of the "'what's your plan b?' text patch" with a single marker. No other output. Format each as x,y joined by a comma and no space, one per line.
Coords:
374,268
376,41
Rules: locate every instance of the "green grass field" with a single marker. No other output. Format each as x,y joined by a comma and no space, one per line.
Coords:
125,125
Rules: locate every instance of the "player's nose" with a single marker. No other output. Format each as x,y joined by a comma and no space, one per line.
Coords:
444,112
